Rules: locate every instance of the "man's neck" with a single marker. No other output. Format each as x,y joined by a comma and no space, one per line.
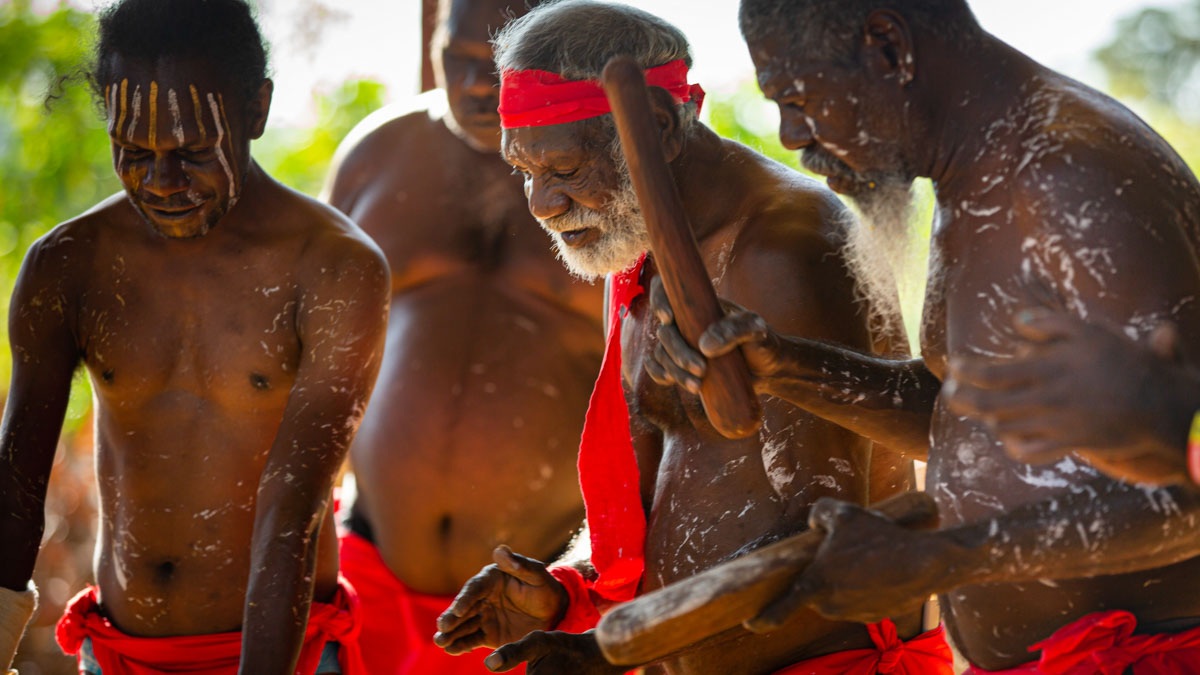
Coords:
704,181
957,103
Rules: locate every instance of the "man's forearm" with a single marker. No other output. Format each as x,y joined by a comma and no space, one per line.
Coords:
282,572
890,402
1102,528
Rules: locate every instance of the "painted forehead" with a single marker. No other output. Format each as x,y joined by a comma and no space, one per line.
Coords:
147,108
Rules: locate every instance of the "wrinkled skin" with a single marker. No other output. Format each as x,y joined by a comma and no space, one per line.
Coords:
506,601
1129,418
767,237
231,329
554,653
471,439
1041,183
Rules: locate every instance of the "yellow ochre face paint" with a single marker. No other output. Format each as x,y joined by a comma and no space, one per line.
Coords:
121,116
199,112
153,113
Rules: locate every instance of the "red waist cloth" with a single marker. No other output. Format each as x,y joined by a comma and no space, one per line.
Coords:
1104,644
608,470
215,654
399,623
926,654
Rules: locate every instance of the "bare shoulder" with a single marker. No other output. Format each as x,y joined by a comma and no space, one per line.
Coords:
788,217
65,253
379,137
786,263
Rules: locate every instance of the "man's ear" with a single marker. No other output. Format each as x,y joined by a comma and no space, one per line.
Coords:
888,47
666,114
260,108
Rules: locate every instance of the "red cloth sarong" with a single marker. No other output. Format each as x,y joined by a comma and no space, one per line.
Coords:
608,470
1103,643
926,654
215,654
399,623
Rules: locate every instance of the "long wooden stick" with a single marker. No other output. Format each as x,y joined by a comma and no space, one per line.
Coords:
727,391
689,611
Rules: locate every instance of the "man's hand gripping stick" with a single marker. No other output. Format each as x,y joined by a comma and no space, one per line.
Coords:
691,610
727,392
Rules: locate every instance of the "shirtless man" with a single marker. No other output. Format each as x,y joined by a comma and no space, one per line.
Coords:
1048,194
492,350
770,239
232,330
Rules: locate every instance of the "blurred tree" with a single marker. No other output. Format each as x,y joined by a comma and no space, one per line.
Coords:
1155,56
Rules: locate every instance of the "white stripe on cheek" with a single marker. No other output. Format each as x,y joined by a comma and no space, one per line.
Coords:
137,110
216,113
176,124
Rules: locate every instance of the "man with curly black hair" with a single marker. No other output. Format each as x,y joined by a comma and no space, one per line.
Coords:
232,330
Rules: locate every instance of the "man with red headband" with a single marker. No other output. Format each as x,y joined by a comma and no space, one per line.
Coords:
666,495
492,350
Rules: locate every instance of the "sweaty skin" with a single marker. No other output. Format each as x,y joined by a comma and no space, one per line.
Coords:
1044,188
492,346
769,240
230,368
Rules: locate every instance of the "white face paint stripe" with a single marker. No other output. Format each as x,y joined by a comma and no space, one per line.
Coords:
216,113
111,95
176,122
137,110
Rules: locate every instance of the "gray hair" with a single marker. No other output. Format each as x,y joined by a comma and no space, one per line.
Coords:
575,39
832,29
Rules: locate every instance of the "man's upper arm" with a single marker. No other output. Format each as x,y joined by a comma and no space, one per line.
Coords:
342,322
1110,251
789,269
44,355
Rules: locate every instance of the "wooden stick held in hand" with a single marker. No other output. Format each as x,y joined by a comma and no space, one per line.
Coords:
727,392
689,611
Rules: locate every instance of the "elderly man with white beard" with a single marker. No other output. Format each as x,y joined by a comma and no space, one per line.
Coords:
666,495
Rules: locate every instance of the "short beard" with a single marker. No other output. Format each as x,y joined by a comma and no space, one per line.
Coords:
880,249
623,237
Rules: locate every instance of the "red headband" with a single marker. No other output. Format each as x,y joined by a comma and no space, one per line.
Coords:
536,98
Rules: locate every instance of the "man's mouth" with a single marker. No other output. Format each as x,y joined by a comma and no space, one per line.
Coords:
579,238
172,212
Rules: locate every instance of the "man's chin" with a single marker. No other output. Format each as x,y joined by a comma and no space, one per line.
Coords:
584,264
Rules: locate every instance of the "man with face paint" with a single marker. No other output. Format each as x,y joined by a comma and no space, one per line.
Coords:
470,441
232,330
1050,197
675,498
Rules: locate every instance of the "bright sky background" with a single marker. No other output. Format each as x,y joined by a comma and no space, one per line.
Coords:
379,39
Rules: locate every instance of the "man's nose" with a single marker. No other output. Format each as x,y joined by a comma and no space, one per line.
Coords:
165,177
481,81
794,130
546,202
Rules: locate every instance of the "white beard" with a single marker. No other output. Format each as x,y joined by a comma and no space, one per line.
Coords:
623,236
880,250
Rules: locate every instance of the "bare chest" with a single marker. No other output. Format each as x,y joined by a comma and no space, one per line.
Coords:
222,330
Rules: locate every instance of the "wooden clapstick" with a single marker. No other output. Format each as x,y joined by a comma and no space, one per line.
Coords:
727,391
691,610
